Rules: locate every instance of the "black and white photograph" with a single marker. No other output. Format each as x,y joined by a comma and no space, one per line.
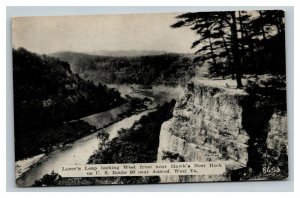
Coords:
150,98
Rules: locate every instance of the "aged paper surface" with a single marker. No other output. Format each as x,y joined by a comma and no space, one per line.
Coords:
150,98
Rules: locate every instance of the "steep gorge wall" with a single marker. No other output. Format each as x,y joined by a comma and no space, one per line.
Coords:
208,125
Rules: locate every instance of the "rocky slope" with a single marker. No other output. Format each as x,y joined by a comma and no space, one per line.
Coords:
208,124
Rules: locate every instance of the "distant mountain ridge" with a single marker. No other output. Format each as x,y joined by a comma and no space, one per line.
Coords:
166,68
122,53
128,53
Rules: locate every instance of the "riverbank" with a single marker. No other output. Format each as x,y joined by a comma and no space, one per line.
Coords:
23,166
77,152
97,121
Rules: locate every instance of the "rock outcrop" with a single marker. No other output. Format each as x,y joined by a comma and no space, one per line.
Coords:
208,125
103,119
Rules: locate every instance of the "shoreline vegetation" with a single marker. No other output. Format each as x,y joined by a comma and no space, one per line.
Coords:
95,122
47,96
122,149
50,99
47,137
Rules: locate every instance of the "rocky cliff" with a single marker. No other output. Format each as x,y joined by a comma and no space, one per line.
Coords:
212,123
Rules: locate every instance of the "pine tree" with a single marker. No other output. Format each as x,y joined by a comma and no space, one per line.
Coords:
236,42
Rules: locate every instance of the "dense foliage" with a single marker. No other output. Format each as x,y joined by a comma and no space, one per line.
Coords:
238,42
46,95
145,70
137,144
51,179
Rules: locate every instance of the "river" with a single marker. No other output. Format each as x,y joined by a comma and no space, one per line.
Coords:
76,153
80,150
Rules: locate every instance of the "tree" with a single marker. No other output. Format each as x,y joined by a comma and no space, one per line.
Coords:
213,26
235,50
47,97
265,37
104,137
229,41
48,180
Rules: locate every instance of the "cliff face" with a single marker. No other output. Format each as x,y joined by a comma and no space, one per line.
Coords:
207,125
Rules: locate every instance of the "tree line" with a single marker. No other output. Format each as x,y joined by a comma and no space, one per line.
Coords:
47,95
137,144
169,68
238,42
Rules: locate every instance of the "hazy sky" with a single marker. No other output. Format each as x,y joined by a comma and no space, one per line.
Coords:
102,32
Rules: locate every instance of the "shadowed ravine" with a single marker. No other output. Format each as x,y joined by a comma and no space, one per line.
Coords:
80,150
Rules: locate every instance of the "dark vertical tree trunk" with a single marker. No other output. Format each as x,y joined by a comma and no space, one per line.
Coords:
225,45
248,41
218,68
212,52
265,58
228,54
242,31
235,51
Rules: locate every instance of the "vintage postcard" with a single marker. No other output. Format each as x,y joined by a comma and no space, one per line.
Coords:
150,98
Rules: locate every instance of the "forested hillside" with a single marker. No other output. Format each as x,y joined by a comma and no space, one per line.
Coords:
47,94
137,144
146,70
